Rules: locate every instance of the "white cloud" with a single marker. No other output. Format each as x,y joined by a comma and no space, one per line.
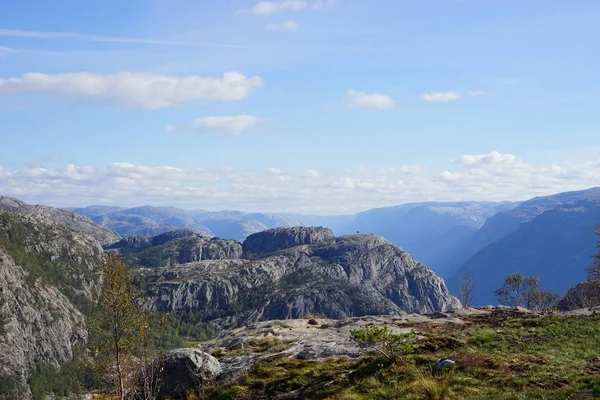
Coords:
229,125
492,176
107,39
266,8
285,26
272,7
441,96
359,99
136,89
476,93
490,159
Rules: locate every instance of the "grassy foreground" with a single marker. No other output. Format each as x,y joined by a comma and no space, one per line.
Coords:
499,356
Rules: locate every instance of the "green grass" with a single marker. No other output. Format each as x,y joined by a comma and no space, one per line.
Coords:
507,358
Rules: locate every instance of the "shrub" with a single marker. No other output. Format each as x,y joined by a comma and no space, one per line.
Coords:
381,340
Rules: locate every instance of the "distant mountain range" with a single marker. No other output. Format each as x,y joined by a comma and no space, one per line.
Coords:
549,236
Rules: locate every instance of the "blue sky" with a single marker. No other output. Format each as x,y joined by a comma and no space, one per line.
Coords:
330,106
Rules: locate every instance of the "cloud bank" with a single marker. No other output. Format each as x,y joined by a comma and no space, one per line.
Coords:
493,176
360,99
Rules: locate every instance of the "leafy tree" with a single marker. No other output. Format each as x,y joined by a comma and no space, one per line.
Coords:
120,325
593,271
381,340
466,288
524,291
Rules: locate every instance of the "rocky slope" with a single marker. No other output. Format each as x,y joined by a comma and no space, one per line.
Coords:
175,247
584,295
306,271
48,275
74,221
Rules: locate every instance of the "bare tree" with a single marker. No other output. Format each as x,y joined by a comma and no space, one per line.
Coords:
593,271
466,288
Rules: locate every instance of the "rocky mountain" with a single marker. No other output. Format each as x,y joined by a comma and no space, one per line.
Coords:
48,276
289,273
556,245
175,247
72,220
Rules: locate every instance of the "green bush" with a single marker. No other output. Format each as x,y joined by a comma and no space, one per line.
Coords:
381,340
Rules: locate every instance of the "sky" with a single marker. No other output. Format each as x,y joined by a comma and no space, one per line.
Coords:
306,106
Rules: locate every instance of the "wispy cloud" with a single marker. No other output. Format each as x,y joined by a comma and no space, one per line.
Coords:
229,125
136,89
285,26
266,8
476,93
109,39
441,96
360,99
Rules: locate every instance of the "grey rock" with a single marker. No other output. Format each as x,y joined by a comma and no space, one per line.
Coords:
276,239
443,364
186,369
69,219
584,295
353,275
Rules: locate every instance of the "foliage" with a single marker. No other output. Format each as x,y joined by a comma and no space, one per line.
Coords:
466,294
524,291
120,326
11,388
593,271
381,340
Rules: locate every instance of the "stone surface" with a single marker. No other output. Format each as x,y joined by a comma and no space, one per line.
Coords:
186,369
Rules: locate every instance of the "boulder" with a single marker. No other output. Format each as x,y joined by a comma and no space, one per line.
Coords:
187,369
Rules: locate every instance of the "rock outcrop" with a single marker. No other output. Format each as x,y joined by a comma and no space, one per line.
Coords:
174,248
338,278
187,369
69,219
584,295
276,239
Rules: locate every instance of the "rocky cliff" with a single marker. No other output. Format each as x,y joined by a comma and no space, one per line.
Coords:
310,271
48,275
69,219
584,295
175,247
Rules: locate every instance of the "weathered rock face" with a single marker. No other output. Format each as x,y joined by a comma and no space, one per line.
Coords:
37,322
584,295
62,257
349,276
276,239
69,219
176,247
47,272
187,369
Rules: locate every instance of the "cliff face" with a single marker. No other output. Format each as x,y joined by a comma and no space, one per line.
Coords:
584,295
173,248
48,276
349,276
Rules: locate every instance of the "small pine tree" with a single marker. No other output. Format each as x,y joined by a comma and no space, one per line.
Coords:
524,291
120,323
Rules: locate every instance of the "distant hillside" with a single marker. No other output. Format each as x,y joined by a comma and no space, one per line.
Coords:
557,245
429,231
67,218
